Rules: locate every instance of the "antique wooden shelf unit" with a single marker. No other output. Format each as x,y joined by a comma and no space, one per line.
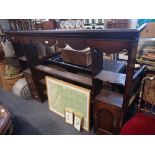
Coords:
109,108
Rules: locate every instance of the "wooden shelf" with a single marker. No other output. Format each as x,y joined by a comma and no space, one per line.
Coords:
66,75
114,65
112,77
109,97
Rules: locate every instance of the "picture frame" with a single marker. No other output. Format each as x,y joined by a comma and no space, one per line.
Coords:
69,116
78,120
63,94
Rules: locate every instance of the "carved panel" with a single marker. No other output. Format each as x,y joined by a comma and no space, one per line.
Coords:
105,120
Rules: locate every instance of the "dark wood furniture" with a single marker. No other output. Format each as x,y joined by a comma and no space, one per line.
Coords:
108,112
6,126
114,65
31,83
99,41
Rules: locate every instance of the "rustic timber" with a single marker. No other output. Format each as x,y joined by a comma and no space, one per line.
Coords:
66,75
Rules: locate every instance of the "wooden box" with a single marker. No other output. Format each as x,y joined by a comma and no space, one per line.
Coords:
77,58
107,113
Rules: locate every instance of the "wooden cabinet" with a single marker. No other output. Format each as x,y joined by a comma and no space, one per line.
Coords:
106,118
108,115
108,107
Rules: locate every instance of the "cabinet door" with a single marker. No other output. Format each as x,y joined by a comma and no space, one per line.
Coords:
107,119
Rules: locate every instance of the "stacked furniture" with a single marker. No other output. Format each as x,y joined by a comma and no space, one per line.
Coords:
110,108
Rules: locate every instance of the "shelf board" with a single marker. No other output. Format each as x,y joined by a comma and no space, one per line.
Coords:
114,65
110,97
66,75
112,77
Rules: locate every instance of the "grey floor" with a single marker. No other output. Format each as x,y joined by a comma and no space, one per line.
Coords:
32,118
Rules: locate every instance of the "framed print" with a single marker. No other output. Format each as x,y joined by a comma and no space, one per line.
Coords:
77,121
69,116
63,94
